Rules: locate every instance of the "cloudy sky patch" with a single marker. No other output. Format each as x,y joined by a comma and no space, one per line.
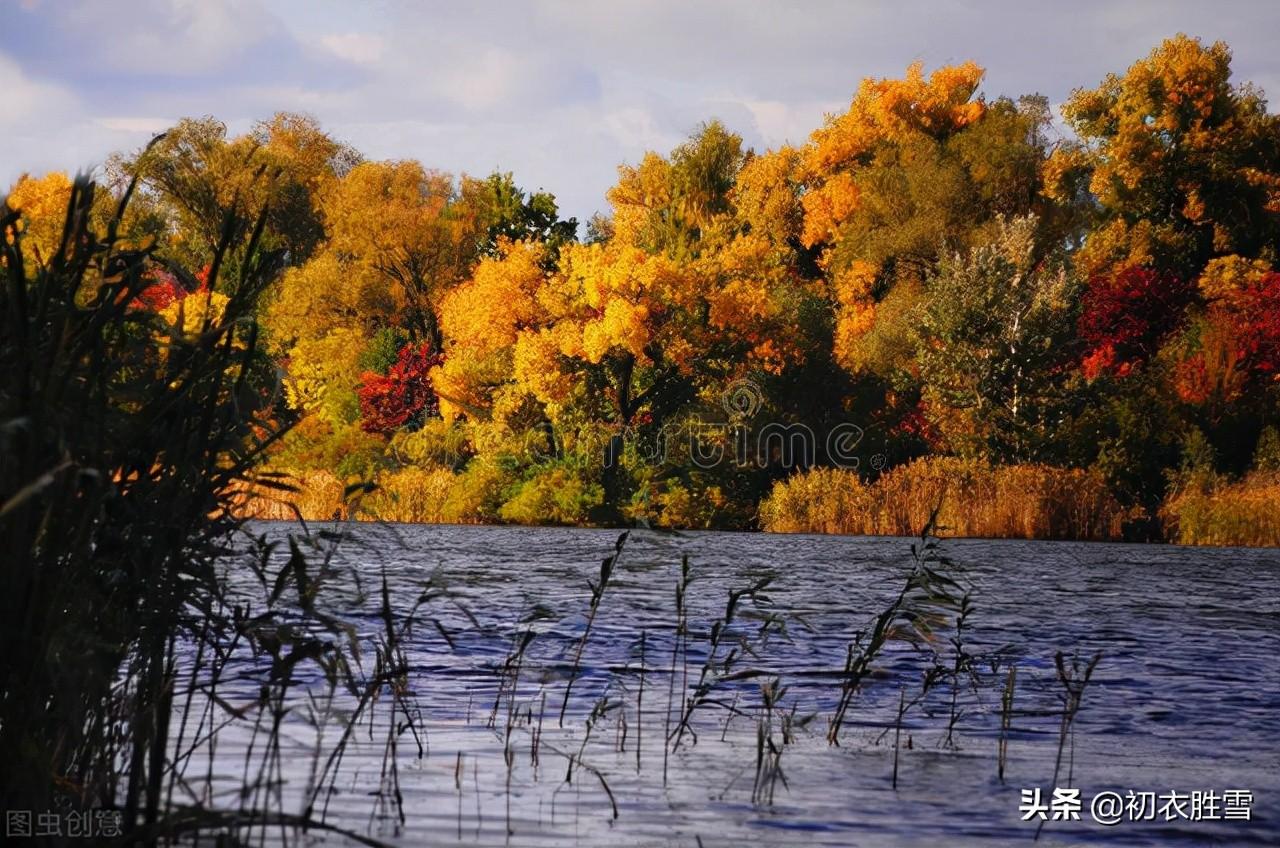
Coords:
558,92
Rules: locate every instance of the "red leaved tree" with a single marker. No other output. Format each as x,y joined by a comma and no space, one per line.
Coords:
404,395
1238,345
165,288
1126,316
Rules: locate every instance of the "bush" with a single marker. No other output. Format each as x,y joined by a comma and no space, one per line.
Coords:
822,500
554,496
315,444
439,442
1266,455
478,493
677,504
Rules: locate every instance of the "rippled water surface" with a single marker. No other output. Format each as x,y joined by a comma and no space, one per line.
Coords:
1186,696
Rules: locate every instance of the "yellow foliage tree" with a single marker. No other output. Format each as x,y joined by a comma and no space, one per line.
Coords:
412,227
326,293
1184,164
195,174
482,319
324,373
914,166
883,111
42,202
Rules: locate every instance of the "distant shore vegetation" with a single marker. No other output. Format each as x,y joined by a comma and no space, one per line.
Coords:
1052,335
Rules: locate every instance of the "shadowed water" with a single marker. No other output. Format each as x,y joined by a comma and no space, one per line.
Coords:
1186,696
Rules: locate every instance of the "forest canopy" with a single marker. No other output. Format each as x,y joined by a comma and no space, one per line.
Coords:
933,273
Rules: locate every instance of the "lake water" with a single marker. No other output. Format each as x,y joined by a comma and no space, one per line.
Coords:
1186,697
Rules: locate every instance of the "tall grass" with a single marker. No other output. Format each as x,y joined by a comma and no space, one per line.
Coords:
121,439
1245,512
420,494
312,495
1003,501
126,445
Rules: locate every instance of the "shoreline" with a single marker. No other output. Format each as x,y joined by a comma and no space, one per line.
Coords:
620,528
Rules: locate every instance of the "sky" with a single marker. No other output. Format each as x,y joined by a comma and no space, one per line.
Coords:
560,93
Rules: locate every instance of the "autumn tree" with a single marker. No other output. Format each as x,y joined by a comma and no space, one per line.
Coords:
996,347
667,204
327,293
1183,163
1225,363
42,205
682,297
692,283
417,229
914,167
518,216
194,174
482,320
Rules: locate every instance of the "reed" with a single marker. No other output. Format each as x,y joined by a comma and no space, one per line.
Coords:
124,440
962,668
927,597
1006,720
706,677
1074,679
678,640
597,594
768,752
310,496
129,445
977,499
1245,512
640,702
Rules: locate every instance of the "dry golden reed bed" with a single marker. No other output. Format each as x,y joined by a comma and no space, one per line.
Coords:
1246,512
979,500
1011,501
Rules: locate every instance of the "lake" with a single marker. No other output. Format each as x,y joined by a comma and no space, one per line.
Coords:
1185,697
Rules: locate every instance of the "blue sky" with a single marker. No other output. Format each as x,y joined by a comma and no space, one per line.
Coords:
559,93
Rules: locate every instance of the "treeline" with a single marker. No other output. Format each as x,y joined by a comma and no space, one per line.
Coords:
935,271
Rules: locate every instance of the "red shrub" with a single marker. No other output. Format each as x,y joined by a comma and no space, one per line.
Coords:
165,288
404,395
1257,315
1126,316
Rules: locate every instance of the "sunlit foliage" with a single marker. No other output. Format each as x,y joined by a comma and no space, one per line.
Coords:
937,266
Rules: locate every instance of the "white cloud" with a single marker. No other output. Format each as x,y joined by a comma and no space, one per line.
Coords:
789,123
28,102
176,37
635,127
136,125
558,92
359,47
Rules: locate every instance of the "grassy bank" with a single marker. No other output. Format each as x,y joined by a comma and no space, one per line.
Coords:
1016,501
